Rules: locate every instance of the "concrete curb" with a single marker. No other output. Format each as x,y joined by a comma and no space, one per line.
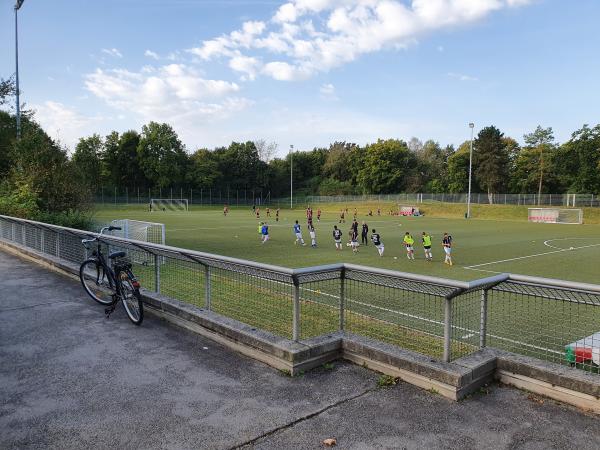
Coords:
453,380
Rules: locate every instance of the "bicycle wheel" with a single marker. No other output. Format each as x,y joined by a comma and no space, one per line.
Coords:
132,300
95,282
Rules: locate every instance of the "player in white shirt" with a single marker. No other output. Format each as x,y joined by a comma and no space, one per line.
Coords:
313,236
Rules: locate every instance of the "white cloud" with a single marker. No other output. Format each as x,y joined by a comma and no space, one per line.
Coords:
246,65
63,123
112,52
151,54
462,77
346,29
174,93
328,91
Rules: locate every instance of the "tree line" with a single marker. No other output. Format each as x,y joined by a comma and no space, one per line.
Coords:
156,158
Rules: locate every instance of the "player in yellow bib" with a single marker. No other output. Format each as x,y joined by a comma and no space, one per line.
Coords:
409,242
427,246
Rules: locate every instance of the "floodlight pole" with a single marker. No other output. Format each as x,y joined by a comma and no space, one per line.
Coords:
18,5
471,126
292,176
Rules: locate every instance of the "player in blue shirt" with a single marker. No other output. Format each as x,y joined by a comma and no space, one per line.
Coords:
298,234
265,232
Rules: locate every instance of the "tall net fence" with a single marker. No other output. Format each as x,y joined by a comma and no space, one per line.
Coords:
552,320
249,197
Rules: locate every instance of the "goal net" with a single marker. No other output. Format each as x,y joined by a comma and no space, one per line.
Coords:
408,210
140,231
555,215
169,204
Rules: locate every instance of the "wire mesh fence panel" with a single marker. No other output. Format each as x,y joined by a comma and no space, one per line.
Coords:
320,307
408,319
260,302
562,326
467,322
182,280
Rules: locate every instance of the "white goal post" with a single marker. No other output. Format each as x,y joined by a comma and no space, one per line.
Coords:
404,210
168,204
140,231
555,215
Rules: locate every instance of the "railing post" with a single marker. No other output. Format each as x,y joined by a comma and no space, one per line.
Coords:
342,299
207,293
42,241
57,244
483,322
296,311
156,274
448,329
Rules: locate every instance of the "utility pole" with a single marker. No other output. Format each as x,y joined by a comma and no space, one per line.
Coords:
471,126
18,5
292,176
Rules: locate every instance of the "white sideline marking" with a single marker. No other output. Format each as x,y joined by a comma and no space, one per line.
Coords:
467,336
531,256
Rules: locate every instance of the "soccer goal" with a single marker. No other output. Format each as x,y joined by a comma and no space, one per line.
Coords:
555,215
408,211
140,231
169,204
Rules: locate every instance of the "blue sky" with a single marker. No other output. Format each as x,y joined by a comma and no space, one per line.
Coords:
307,72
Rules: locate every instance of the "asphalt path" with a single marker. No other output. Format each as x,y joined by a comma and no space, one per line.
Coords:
69,378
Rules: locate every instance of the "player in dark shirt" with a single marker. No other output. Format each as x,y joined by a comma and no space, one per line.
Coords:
447,244
376,238
364,236
337,237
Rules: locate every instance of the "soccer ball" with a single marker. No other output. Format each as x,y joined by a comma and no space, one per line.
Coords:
395,257
571,248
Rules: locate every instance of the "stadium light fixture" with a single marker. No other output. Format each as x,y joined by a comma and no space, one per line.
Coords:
291,176
18,5
471,126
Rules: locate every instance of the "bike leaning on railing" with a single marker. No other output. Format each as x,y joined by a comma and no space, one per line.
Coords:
108,285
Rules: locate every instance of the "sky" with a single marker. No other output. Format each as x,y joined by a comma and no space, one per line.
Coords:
306,72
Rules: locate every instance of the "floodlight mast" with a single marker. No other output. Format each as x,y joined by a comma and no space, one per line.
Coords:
471,126
18,5
291,176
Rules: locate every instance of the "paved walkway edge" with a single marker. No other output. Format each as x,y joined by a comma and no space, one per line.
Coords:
453,380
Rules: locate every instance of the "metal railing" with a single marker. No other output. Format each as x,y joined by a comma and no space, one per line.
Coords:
442,318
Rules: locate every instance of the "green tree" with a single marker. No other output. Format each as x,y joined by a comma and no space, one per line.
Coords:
490,160
86,160
43,166
387,168
541,141
161,155
458,170
204,170
577,161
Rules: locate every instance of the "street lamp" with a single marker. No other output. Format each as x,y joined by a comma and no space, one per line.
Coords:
292,176
18,5
471,126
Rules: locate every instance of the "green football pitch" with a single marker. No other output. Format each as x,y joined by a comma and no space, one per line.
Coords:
482,247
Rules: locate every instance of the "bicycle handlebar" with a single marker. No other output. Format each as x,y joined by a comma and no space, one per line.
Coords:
109,228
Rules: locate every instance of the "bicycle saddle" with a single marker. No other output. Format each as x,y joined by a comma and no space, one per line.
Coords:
114,255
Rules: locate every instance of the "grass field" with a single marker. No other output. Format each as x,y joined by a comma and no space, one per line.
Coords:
498,239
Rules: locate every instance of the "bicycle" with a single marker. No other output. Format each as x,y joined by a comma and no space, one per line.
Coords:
107,285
